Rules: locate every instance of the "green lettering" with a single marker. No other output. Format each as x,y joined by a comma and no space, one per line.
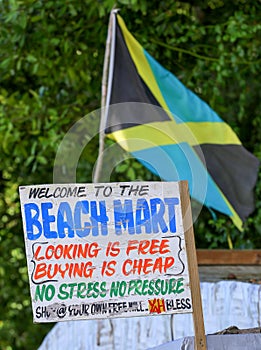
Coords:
39,292
138,287
46,292
81,288
179,286
114,289
145,287
122,289
71,285
62,292
103,290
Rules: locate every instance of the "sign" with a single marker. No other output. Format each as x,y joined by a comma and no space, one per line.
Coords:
105,250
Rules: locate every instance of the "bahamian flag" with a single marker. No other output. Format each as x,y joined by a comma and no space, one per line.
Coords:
184,138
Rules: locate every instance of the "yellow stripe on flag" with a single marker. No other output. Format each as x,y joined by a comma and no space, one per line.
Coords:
141,63
168,133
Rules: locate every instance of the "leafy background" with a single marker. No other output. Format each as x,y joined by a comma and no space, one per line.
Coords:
51,59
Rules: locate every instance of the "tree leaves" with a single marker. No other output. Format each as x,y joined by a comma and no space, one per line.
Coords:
51,59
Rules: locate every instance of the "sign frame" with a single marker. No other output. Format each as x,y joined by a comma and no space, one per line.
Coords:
188,251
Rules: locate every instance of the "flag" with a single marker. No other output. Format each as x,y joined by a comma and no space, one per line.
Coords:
181,137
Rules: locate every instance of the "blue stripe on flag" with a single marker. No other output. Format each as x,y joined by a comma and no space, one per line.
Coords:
182,102
180,162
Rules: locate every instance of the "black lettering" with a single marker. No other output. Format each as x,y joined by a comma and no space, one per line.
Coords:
41,311
34,192
188,303
144,190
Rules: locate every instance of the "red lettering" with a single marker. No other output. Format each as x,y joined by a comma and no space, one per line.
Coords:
37,252
132,245
169,261
146,246
143,246
113,249
40,271
71,251
58,252
124,267
51,249
51,267
69,270
146,266
157,306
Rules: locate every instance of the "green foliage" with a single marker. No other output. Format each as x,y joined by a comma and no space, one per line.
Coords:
51,58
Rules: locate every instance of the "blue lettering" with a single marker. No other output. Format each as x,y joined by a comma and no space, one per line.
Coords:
123,216
150,216
47,219
65,220
142,216
171,202
32,221
81,207
157,213
96,218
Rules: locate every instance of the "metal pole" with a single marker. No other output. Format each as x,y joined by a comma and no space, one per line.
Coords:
107,75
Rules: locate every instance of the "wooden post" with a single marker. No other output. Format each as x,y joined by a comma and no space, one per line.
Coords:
199,329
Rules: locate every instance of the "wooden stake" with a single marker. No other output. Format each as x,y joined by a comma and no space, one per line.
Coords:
199,329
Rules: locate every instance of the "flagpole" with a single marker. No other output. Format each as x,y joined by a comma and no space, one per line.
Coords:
106,90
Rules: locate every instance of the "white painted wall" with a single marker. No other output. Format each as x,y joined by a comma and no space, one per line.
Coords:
226,303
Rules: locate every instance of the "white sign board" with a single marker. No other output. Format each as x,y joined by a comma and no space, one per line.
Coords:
105,250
